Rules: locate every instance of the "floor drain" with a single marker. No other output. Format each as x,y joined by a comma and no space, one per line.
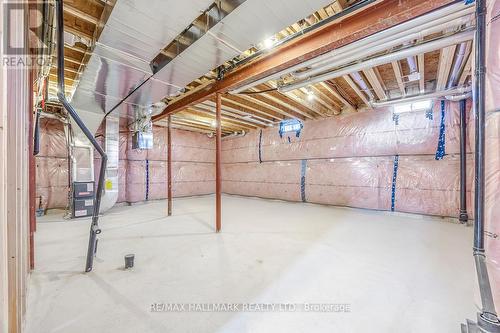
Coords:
129,261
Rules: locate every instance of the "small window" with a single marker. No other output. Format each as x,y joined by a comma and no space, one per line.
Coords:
415,106
290,126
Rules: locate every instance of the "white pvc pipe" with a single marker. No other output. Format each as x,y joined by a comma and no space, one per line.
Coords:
403,30
454,9
398,55
448,93
385,44
457,65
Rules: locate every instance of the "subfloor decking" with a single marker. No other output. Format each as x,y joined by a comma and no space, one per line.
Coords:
397,273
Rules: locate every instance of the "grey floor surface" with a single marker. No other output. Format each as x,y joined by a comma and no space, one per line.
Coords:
370,271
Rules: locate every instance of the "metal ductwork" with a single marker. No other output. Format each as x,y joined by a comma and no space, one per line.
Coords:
120,63
123,73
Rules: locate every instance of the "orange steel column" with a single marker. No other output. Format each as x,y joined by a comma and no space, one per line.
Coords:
218,165
169,167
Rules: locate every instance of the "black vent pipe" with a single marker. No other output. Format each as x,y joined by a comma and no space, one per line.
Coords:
487,318
463,216
36,134
94,227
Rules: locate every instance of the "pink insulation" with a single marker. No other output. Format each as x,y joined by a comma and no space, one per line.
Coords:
193,156
193,166
52,166
492,154
350,162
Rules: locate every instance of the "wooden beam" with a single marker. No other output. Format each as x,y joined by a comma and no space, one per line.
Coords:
269,104
195,112
373,78
68,8
466,71
78,33
205,110
445,63
246,103
299,97
396,67
421,70
356,89
289,104
350,28
337,95
169,166
235,110
218,167
339,5
326,100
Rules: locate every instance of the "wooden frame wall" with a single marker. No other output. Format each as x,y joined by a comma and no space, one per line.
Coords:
14,190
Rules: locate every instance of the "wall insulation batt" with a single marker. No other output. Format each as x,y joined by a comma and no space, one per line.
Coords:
142,173
355,160
492,155
346,161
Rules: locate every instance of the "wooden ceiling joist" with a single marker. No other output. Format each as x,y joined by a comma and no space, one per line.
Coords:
287,102
356,89
396,67
337,94
375,81
253,108
445,63
68,8
270,103
421,70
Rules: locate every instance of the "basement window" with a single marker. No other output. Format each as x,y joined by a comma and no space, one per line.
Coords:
413,107
290,126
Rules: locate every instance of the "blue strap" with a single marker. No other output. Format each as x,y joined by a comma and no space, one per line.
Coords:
395,118
260,146
429,114
440,152
303,180
468,2
394,178
147,179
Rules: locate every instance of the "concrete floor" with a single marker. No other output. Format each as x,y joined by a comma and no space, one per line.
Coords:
397,273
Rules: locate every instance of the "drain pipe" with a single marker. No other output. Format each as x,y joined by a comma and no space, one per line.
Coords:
487,320
94,228
463,217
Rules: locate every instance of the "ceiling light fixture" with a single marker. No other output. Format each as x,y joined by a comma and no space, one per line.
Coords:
269,42
310,94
